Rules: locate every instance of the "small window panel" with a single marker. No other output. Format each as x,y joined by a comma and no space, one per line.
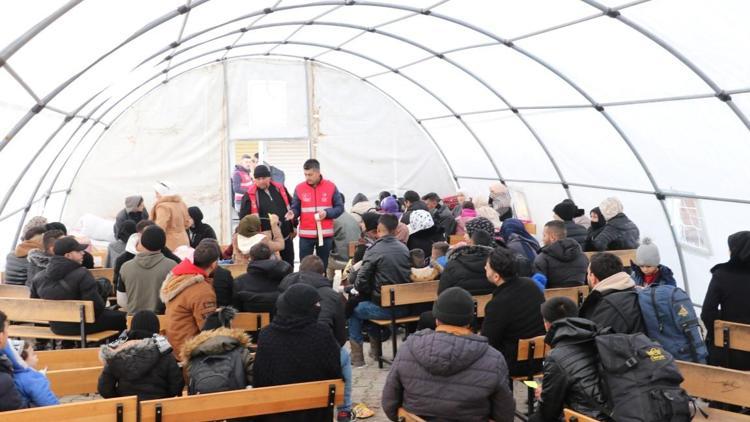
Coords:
689,224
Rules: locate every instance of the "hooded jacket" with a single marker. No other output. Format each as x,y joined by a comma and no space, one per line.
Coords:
16,264
171,214
563,263
360,207
465,269
140,368
614,303
81,285
443,218
345,230
571,375
445,377
129,213
199,230
619,233
385,262
38,261
331,302
32,385
258,289
576,232
189,299
10,399
142,277
219,342
664,275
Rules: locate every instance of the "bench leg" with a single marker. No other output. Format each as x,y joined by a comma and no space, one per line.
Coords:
380,352
394,338
82,311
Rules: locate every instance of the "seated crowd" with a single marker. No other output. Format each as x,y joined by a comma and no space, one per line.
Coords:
453,364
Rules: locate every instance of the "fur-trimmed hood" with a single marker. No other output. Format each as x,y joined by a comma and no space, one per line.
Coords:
174,285
132,359
39,258
215,342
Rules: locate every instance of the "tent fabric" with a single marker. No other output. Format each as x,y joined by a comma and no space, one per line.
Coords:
647,100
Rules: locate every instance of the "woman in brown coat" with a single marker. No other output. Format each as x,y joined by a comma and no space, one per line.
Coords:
171,214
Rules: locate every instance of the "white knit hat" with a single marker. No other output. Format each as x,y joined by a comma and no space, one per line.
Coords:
164,188
610,207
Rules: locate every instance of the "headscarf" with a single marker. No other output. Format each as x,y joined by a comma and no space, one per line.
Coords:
610,207
500,198
37,221
598,224
130,246
479,223
197,215
127,228
164,188
249,225
514,228
739,247
420,220
390,205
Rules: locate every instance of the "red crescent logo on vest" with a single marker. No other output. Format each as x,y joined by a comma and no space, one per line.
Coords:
306,197
324,197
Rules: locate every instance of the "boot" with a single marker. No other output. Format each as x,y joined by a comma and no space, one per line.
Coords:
376,348
357,355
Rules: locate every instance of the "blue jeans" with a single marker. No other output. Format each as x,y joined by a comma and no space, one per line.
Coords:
307,246
346,371
368,310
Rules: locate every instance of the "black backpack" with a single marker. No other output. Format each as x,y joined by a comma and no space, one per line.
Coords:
641,380
217,373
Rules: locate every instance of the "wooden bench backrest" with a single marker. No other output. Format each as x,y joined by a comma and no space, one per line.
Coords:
571,416
84,411
525,346
46,310
66,382
236,269
248,321
242,403
455,238
409,293
108,273
18,292
715,383
737,335
405,416
481,304
625,255
576,294
55,360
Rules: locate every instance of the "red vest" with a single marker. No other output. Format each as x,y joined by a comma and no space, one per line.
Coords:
245,182
252,194
312,200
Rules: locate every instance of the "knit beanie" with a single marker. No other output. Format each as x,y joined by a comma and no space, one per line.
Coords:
479,223
261,170
647,255
153,238
411,196
298,300
371,220
610,207
37,221
566,210
249,225
454,306
144,325
580,212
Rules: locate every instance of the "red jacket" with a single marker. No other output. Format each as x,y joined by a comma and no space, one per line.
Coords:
241,182
312,199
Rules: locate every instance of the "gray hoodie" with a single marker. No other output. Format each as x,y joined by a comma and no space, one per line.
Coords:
141,279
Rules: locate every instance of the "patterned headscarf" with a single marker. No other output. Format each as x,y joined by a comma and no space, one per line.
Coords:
479,223
420,220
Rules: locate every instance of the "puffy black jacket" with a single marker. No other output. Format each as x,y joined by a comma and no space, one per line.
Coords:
571,377
223,283
465,269
619,233
16,269
386,262
614,303
446,377
331,302
444,218
138,367
81,285
576,232
258,289
10,398
563,263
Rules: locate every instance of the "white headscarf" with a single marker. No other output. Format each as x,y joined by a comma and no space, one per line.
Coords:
132,242
164,188
420,220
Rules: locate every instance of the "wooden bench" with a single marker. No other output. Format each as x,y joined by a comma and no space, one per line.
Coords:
625,255
55,360
530,227
18,292
108,273
530,349
236,269
245,403
246,321
405,416
571,416
399,295
576,294
121,409
67,382
35,310
731,336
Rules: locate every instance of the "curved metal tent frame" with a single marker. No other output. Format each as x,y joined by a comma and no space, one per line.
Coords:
43,102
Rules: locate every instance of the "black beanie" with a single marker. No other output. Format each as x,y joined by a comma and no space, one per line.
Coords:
144,325
153,238
261,170
567,211
371,220
454,306
298,300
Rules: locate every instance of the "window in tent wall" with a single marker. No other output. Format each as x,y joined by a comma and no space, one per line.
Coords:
689,224
520,206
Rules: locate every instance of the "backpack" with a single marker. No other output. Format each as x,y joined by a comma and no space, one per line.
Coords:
641,380
216,373
670,319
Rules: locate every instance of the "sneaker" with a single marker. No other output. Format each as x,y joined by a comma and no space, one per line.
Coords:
361,411
344,416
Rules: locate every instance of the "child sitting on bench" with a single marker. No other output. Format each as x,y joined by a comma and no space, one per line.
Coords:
33,385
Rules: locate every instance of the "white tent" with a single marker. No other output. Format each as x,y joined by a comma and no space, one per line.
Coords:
644,100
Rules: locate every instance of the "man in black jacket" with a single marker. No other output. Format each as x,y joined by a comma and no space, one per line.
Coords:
66,279
613,302
258,289
386,262
440,213
571,378
567,211
561,259
10,398
412,203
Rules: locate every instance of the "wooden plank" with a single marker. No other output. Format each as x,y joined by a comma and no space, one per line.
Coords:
540,348
715,383
248,321
385,322
481,304
66,382
571,416
530,227
11,291
108,273
720,415
405,416
625,255
455,238
409,293
244,403
46,310
104,410
576,294
27,331
55,360
739,335
236,269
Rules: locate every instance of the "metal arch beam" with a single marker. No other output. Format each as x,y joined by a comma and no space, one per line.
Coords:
720,94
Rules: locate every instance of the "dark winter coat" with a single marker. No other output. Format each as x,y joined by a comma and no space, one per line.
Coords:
443,218
563,263
465,269
614,303
619,233
441,376
258,289
576,232
81,286
10,398
139,368
571,378
727,299
38,261
293,350
223,283
331,302
386,262
664,276
218,342
134,216
512,314
198,232
424,239
16,269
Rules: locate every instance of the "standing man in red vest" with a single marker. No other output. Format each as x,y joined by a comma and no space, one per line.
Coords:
242,178
316,200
